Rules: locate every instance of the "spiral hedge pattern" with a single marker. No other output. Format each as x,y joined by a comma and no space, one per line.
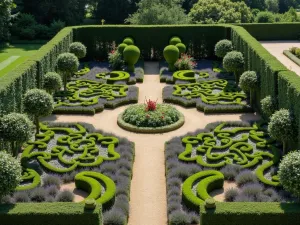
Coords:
211,92
70,148
189,75
114,76
250,147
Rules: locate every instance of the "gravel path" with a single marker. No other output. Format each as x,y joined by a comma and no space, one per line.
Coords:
276,48
148,204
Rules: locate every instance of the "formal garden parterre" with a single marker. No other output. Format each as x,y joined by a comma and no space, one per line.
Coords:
216,68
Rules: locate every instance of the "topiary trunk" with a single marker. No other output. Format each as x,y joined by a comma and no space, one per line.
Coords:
37,124
284,146
252,97
237,78
172,68
130,68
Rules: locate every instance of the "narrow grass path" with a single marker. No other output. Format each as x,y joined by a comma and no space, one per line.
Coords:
148,205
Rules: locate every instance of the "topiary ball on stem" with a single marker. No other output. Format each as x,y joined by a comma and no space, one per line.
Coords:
234,62
249,82
128,41
15,129
181,47
10,173
52,82
268,106
121,48
38,103
289,173
131,56
67,64
174,40
223,47
281,127
78,49
171,54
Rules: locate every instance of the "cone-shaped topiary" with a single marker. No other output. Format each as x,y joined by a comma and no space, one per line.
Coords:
128,41
234,62
78,49
131,55
121,48
174,40
171,54
181,47
223,47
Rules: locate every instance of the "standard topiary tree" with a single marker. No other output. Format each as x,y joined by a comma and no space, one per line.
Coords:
174,40
223,47
181,47
249,82
10,173
289,175
281,127
268,106
121,48
78,49
131,55
38,103
15,129
234,62
67,64
128,41
171,54
52,82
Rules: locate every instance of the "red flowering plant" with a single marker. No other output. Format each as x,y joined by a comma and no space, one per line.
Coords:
115,60
150,105
186,62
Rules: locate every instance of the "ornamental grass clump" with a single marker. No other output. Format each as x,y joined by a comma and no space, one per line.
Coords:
186,62
289,173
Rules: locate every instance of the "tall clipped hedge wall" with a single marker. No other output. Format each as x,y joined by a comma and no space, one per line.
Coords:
249,213
257,58
199,39
49,214
30,74
273,31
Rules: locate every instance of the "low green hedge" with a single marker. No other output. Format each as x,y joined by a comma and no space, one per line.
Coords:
92,182
49,214
209,181
292,57
250,213
150,130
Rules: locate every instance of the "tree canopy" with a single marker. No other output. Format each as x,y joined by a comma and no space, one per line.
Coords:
220,11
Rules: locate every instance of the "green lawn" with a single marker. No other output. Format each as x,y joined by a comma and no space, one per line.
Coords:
13,55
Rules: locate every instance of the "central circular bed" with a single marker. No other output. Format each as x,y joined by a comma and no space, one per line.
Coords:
151,118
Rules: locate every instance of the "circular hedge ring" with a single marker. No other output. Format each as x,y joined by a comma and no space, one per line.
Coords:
114,76
136,119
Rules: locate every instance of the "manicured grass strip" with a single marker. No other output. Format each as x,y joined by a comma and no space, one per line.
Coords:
8,61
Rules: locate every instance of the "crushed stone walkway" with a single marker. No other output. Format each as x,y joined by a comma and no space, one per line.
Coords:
148,205
276,48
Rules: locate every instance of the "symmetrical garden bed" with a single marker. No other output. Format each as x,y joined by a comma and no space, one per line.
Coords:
200,162
98,163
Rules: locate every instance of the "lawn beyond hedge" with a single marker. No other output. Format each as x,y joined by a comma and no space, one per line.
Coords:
13,55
